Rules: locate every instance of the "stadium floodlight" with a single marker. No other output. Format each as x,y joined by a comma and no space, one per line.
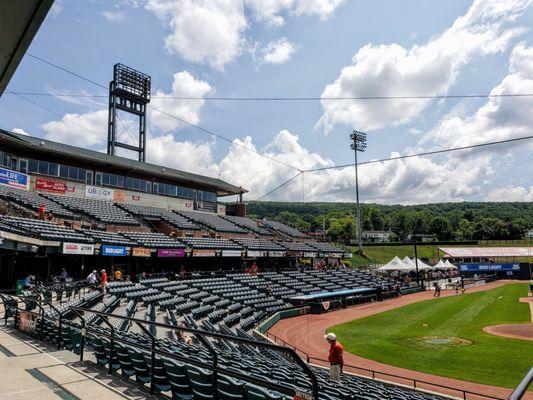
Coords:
358,144
129,91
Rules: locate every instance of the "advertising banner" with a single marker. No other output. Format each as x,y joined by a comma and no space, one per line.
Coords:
276,254
78,248
294,253
100,193
13,179
119,196
255,253
231,253
334,255
487,267
27,322
140,252
113,251
50,186
348,255
310,255
171,252
203,253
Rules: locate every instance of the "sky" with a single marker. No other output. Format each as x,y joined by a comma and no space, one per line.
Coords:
321,49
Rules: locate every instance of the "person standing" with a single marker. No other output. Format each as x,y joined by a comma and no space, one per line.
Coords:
41,210
63,277
92,279
103,280
335,358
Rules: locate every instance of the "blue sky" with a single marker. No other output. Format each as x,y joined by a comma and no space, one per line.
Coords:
295,48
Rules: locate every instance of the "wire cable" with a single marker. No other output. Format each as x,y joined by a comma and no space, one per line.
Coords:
279,186
205,130
427,153
279,98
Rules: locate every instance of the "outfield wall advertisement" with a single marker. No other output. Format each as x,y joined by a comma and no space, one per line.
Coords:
488,267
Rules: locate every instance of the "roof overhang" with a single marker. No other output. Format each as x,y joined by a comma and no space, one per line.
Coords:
484,252
19,22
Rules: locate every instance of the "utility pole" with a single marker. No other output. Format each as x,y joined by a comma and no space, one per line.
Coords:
358,144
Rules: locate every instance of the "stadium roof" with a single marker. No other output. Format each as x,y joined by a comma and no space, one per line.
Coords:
50,149
19,22
475,252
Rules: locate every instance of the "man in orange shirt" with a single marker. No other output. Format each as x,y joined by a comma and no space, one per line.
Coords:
103,279
335,357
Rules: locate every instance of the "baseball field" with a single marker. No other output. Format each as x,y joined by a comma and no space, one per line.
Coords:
445,336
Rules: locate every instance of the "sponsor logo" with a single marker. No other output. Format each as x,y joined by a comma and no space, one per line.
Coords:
95,192
13,179
50,185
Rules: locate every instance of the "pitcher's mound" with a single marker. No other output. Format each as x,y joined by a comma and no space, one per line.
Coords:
514,331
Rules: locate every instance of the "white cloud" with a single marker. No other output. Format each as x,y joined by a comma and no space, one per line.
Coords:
183,85
114,16
511,193
89,129
500,118
203,31
422,70
20,131
278,52
271,11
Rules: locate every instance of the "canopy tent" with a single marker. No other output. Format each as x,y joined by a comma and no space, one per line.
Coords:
396,265
449,265
411,262
440,265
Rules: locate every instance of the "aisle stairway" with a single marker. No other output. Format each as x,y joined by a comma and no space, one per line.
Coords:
30,371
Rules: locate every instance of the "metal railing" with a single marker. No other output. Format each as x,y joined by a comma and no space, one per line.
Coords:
521,389
416,384
214,366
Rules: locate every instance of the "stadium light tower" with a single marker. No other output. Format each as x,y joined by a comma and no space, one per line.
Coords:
358,144
129,91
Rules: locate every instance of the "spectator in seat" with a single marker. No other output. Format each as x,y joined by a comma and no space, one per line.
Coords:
63,277
118,275
103,280
49,216
41,211
335,358
29,282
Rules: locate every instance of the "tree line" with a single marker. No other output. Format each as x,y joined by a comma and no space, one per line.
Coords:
444,221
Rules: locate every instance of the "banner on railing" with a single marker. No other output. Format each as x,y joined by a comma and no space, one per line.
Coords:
13,179
171,252
27,322
484,267
231,253
113,251
140,252
78,248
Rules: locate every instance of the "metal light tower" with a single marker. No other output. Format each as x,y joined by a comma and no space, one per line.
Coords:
358,144
129,91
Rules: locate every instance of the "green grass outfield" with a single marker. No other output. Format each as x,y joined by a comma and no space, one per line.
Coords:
388,337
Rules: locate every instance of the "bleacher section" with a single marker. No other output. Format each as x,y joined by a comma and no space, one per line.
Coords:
106,237
249,224
303,247
153,240
103,211
33,200
259,244
230,305
211,243
326,248
156,213
45,230
212,221
282,228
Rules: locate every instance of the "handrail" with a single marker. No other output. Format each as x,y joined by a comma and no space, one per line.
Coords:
520,390
416,382
215,367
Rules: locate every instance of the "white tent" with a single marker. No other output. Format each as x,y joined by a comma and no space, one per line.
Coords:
396,265
449,265
407,261
422,265
440,265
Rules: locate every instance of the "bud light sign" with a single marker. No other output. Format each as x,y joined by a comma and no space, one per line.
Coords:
13,179
480,267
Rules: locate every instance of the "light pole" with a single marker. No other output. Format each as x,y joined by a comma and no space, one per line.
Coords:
358,144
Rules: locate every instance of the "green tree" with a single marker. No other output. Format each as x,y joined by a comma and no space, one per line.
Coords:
465,230
441,227
376,219
490,228
401,225
342,229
